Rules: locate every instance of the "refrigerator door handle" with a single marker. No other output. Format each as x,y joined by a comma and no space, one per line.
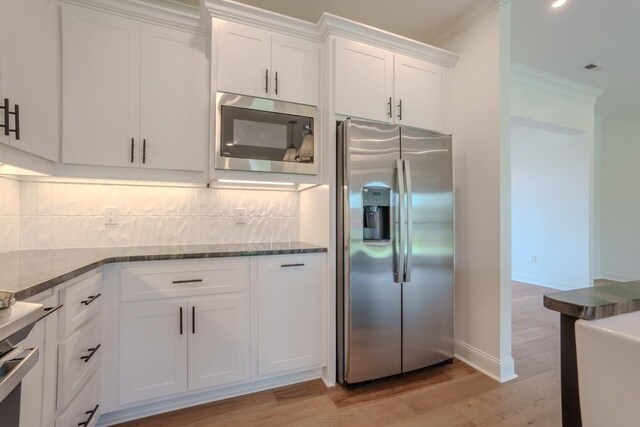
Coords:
400,263
407,267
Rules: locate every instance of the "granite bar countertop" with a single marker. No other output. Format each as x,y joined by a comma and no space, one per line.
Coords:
597,302
30,272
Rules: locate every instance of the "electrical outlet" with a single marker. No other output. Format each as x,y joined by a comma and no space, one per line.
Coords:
239,216
534,259
111,216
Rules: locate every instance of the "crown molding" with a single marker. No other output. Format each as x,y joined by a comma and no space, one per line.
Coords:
166,13
538,79
246,14
479,10
330,24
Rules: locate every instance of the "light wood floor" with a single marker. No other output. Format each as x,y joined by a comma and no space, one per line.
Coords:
448,396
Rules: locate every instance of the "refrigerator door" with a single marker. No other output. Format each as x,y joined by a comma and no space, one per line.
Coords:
372,316
427,293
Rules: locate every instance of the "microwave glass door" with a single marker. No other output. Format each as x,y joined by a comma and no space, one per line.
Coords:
269,138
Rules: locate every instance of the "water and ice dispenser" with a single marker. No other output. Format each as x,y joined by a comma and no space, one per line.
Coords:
376,205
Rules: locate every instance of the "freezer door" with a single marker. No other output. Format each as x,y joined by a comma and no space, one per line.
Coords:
427,294
372,321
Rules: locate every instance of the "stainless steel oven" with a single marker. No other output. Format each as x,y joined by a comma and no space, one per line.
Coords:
256,134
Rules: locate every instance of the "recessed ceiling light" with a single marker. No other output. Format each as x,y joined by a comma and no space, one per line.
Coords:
558,3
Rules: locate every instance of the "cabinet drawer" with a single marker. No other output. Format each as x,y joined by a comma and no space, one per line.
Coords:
85,408
81,302
184,279
78,357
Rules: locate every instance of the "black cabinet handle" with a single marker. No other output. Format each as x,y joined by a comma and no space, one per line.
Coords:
193,319
400,110
292,265
5,109
50,310
389,104
144,151
91,351
177,282
266,80
276,82
91,414
90,299
180,320
16,118
133,145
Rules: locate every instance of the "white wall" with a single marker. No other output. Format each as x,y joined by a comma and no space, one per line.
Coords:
551,102
64,215
550,207
620,199
9,215
475,111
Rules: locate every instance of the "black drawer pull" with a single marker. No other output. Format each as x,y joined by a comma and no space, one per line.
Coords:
133,146
193,319
177,282
91,351
90,299
50,310
91,414
5,108
180,320
292,265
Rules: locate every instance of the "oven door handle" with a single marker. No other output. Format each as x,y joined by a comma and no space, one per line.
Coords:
18,372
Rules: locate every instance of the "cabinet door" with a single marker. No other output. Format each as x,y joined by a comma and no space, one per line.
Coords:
153,349
244,59
364,81
418,85
30,73
218,341
295,69
174,122
101,88
290,313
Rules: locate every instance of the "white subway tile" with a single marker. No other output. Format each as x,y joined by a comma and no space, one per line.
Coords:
29,198
44,233
28,232
44,198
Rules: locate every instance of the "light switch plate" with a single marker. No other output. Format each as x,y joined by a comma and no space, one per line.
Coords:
111,216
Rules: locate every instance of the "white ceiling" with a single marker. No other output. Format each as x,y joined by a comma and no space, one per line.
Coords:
422,20
562,41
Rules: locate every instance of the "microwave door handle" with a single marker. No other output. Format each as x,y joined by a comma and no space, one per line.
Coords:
407,268
400,266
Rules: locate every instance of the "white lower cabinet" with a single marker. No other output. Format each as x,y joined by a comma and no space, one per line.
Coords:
290,313
218,341
153,349
85,409
38,395
176,345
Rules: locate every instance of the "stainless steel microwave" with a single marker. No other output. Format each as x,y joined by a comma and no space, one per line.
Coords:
256,134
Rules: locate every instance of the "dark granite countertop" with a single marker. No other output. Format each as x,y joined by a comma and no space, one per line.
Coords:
597,302
30,272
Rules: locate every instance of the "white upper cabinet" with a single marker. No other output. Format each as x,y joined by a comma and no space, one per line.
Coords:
134,94
394,88
101,88
244,59
30,75
364,81
255,62
295,65
174,111
418,93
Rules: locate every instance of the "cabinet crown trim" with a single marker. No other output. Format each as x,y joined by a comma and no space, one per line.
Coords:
167,14
330,24
261,18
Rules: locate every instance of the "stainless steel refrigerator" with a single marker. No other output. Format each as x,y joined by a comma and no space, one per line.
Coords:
395,250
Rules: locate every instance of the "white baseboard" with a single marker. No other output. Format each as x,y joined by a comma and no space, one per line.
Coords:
173,403
617,277
501,370
547,282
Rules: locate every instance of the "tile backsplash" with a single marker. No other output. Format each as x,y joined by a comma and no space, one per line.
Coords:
9,214
65,215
